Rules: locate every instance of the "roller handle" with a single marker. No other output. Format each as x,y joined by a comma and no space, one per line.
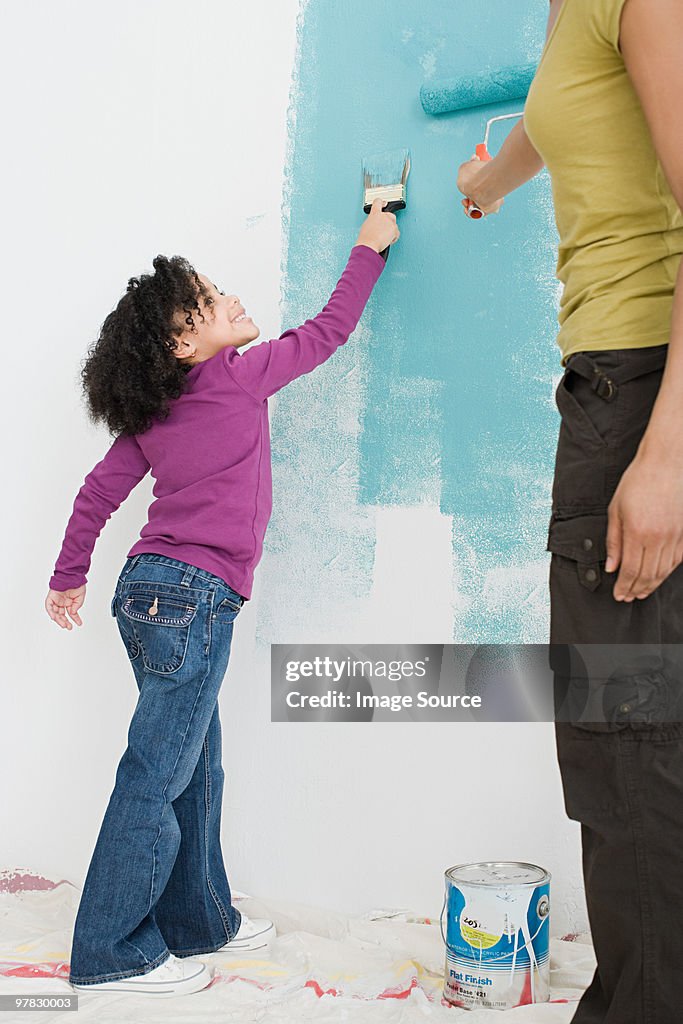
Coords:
392,206
471,208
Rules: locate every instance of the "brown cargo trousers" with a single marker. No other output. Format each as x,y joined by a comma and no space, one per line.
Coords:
621,768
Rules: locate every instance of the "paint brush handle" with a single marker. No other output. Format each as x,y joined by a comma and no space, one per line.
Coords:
471,209
392,206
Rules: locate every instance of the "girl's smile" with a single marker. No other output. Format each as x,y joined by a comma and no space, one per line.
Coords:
225,323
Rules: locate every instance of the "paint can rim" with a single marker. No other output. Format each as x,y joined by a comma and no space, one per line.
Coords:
542,878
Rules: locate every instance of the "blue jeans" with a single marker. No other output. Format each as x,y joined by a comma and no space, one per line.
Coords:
156,883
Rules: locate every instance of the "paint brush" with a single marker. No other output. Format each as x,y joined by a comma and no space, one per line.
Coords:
385,176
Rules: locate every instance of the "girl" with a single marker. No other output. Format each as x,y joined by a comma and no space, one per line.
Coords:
167,377
605,115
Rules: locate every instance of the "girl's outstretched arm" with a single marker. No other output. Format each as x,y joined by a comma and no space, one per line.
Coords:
265,368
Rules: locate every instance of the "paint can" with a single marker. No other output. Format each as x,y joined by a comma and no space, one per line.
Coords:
497,935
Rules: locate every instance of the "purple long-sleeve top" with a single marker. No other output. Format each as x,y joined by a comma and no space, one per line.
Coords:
210,458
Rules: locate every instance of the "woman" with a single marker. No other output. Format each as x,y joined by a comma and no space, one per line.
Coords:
167,378
605,115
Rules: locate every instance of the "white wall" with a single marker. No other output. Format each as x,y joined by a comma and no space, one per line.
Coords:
147,127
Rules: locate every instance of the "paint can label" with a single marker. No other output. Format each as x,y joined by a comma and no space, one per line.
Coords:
497,936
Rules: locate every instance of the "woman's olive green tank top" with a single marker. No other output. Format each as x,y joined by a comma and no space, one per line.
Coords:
620,227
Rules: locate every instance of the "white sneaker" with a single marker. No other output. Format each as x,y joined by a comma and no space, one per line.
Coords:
174,977
251,935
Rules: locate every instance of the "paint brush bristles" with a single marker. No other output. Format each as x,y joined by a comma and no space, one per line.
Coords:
385,177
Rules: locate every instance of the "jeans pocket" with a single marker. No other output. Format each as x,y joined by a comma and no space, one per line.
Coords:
227,609
159,623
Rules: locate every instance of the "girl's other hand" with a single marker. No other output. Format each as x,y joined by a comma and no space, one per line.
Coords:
470,177
58,603
380,229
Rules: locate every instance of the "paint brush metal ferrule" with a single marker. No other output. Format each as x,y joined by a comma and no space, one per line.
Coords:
389,193
385,177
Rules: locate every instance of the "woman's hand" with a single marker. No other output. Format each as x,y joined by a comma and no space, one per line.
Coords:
379,229
59,602
645,525
470,179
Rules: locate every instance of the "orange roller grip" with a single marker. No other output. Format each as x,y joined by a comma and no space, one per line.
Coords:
472,210
482,152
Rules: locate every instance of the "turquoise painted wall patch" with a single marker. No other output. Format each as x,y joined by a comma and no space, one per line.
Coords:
444,394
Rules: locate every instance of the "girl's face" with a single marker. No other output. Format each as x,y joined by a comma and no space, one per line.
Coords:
225,323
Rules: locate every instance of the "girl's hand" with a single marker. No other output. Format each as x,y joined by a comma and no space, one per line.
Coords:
58,603
470,176
380,229
645,527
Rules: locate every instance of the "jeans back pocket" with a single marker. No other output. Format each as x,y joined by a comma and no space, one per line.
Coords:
159,619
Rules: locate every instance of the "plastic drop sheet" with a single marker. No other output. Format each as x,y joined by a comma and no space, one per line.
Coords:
324,966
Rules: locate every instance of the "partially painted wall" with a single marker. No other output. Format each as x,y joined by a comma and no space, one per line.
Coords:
442,402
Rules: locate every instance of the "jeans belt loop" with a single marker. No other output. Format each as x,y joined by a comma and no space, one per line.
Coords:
131,565
188,575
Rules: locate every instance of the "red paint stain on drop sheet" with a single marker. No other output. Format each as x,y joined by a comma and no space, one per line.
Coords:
14,969
18,880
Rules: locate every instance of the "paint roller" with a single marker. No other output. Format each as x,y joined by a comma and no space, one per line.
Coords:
483,88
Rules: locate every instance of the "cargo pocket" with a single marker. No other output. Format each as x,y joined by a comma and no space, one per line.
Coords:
160,627
585,445
579,620
578,546
587,417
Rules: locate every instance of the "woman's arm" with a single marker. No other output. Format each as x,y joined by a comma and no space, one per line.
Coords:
645,535
515,163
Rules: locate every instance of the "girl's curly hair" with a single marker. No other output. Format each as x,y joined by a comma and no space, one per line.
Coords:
130,374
